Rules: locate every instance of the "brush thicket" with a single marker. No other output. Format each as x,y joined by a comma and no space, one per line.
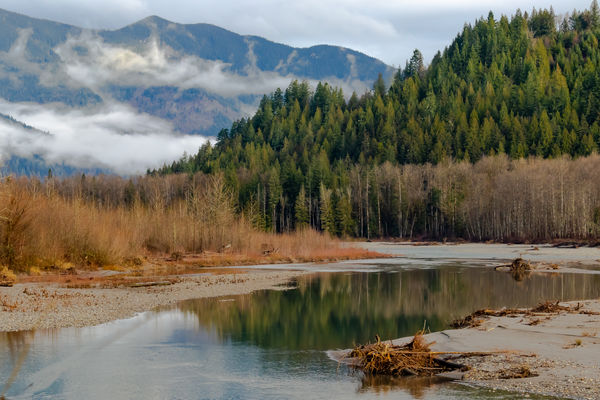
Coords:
60,224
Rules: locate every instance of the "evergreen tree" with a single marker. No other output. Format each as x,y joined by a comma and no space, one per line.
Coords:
415,67
301,209
327,210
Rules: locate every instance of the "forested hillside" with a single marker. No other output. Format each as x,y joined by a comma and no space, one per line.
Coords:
526,86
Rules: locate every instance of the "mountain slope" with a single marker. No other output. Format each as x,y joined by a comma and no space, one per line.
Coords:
211,42
44,36
45,62
153,78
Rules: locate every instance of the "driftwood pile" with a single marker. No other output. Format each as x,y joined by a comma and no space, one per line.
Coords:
520,265
412,359
415,359
519,269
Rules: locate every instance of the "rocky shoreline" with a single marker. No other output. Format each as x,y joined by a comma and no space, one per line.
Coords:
29,306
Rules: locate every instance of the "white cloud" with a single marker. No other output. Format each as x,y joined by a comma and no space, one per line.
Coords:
152,64
114,137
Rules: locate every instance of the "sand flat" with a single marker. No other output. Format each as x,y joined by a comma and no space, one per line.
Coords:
563,349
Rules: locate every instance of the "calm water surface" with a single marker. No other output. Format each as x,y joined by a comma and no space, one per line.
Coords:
271,344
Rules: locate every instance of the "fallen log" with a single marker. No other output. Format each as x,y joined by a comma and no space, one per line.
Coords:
148,284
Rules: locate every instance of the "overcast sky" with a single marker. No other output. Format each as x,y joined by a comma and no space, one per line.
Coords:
387,29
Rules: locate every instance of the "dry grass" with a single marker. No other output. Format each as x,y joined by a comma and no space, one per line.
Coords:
519,372
576,343
7,277
43,231
554,307
8,305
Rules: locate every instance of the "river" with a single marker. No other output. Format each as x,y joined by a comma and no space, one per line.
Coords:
273,344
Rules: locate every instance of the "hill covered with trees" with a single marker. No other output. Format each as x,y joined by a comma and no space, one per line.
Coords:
505,89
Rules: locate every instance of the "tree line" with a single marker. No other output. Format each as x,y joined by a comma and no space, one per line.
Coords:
405,160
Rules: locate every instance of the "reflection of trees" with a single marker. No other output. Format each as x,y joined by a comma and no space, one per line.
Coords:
336,310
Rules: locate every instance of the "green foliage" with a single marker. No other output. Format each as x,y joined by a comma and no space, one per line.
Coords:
542,23
516,86
301,209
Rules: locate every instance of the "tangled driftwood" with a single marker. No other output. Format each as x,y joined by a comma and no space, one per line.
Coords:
412,359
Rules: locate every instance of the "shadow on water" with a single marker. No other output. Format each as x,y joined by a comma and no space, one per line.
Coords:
425,387
520,275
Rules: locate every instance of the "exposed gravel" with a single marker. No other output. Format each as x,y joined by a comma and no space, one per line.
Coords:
561,350
556,377
39,306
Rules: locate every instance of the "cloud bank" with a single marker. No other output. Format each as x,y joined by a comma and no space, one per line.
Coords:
153,64
112,137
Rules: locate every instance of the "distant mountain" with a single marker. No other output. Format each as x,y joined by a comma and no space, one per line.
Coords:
157,66
210,42
151,78
38,167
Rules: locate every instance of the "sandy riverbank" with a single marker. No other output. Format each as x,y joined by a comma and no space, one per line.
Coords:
482,253
46,305
561,348
70,297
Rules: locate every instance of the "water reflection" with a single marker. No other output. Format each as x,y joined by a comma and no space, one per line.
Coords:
520,275
269,345
418,387
330,311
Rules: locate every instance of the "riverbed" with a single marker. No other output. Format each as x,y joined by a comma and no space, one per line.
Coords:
275,343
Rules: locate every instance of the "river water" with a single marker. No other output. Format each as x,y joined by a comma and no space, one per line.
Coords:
273,344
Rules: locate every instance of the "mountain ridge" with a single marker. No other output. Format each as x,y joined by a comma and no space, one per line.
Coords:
197,78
